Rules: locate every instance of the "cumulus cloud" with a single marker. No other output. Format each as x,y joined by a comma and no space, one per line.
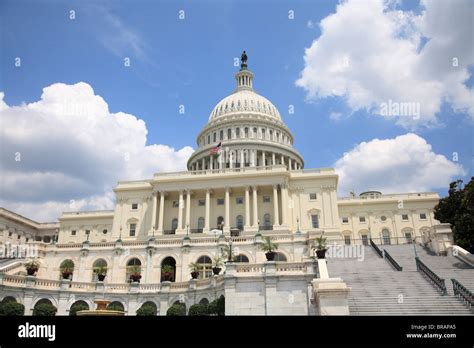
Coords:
406,163
68,148
372,54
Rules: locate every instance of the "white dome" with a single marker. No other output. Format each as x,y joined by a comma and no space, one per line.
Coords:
245,100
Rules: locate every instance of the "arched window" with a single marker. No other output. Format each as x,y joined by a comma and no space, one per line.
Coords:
66,269
44,307
240,222
267,221
221,135
204,301
78,306
214,137
116,306
229,133
174,225
99,268
237,132
255,132
149,305
280,257
263,133
168,269
386,236
246,132
208,139
205,264
271,134
134,266
242,258
200,224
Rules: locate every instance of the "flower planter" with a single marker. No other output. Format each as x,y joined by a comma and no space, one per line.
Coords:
66,275
321,254
101,277
135,278
216,270
167,276
31,271
195,275
270,255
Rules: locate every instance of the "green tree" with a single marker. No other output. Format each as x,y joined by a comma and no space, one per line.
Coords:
45,310
458,210
11,308
198,309
178,309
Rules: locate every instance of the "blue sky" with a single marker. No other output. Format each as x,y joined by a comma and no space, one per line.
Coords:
190,62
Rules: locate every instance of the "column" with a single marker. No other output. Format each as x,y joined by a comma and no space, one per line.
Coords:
276,221
208,211
180,211
263,158
162,210
153,213
284,204
282,160
203,165
255,208
231,159
252,158
188,208
242,158
211,160
247,207
227,211
289,163
273,159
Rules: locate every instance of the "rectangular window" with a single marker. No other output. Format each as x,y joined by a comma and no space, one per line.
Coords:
175,204
361,218
266,199
347,240
422,216
315,221
239,200
201,202
10,234
345,220
312,196
220,201
405,217
88,232
73,232
408,237
132,229
365,240
134,206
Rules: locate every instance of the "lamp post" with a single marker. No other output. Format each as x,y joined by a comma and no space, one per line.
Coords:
229,257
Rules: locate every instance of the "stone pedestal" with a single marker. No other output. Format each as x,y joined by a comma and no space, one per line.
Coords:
65,283
331,296
134,286
30,281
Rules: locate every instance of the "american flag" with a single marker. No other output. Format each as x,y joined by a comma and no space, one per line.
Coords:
216,149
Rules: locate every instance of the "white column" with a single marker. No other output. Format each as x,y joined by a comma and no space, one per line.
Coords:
263,158
284,204
247,207
188,208
231,159
162,210
203,163
289,163
273,159
153,213
255,208
208,211
227,211
276,221
282,160
242,158
180,211
252,158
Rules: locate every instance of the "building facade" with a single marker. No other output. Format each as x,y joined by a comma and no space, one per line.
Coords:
245,181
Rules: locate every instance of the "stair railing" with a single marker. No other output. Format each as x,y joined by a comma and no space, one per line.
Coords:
466,296
432,276
392,260
376,248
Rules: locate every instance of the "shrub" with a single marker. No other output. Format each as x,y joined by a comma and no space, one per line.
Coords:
147,311
115,306
11,309
198,309
217,307
45,310
76,308
178,309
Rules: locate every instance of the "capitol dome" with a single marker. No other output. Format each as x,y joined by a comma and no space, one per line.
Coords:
245,129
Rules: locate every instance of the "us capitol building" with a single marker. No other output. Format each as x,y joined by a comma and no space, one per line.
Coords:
244,182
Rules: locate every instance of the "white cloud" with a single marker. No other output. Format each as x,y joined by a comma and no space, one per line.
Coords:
335,116
69,146
406,163
369,53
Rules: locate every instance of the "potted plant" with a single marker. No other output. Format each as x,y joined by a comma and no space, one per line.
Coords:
167,271
101,273
217,264
321,247
67,269
135,274
32,267
195,267
269,247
